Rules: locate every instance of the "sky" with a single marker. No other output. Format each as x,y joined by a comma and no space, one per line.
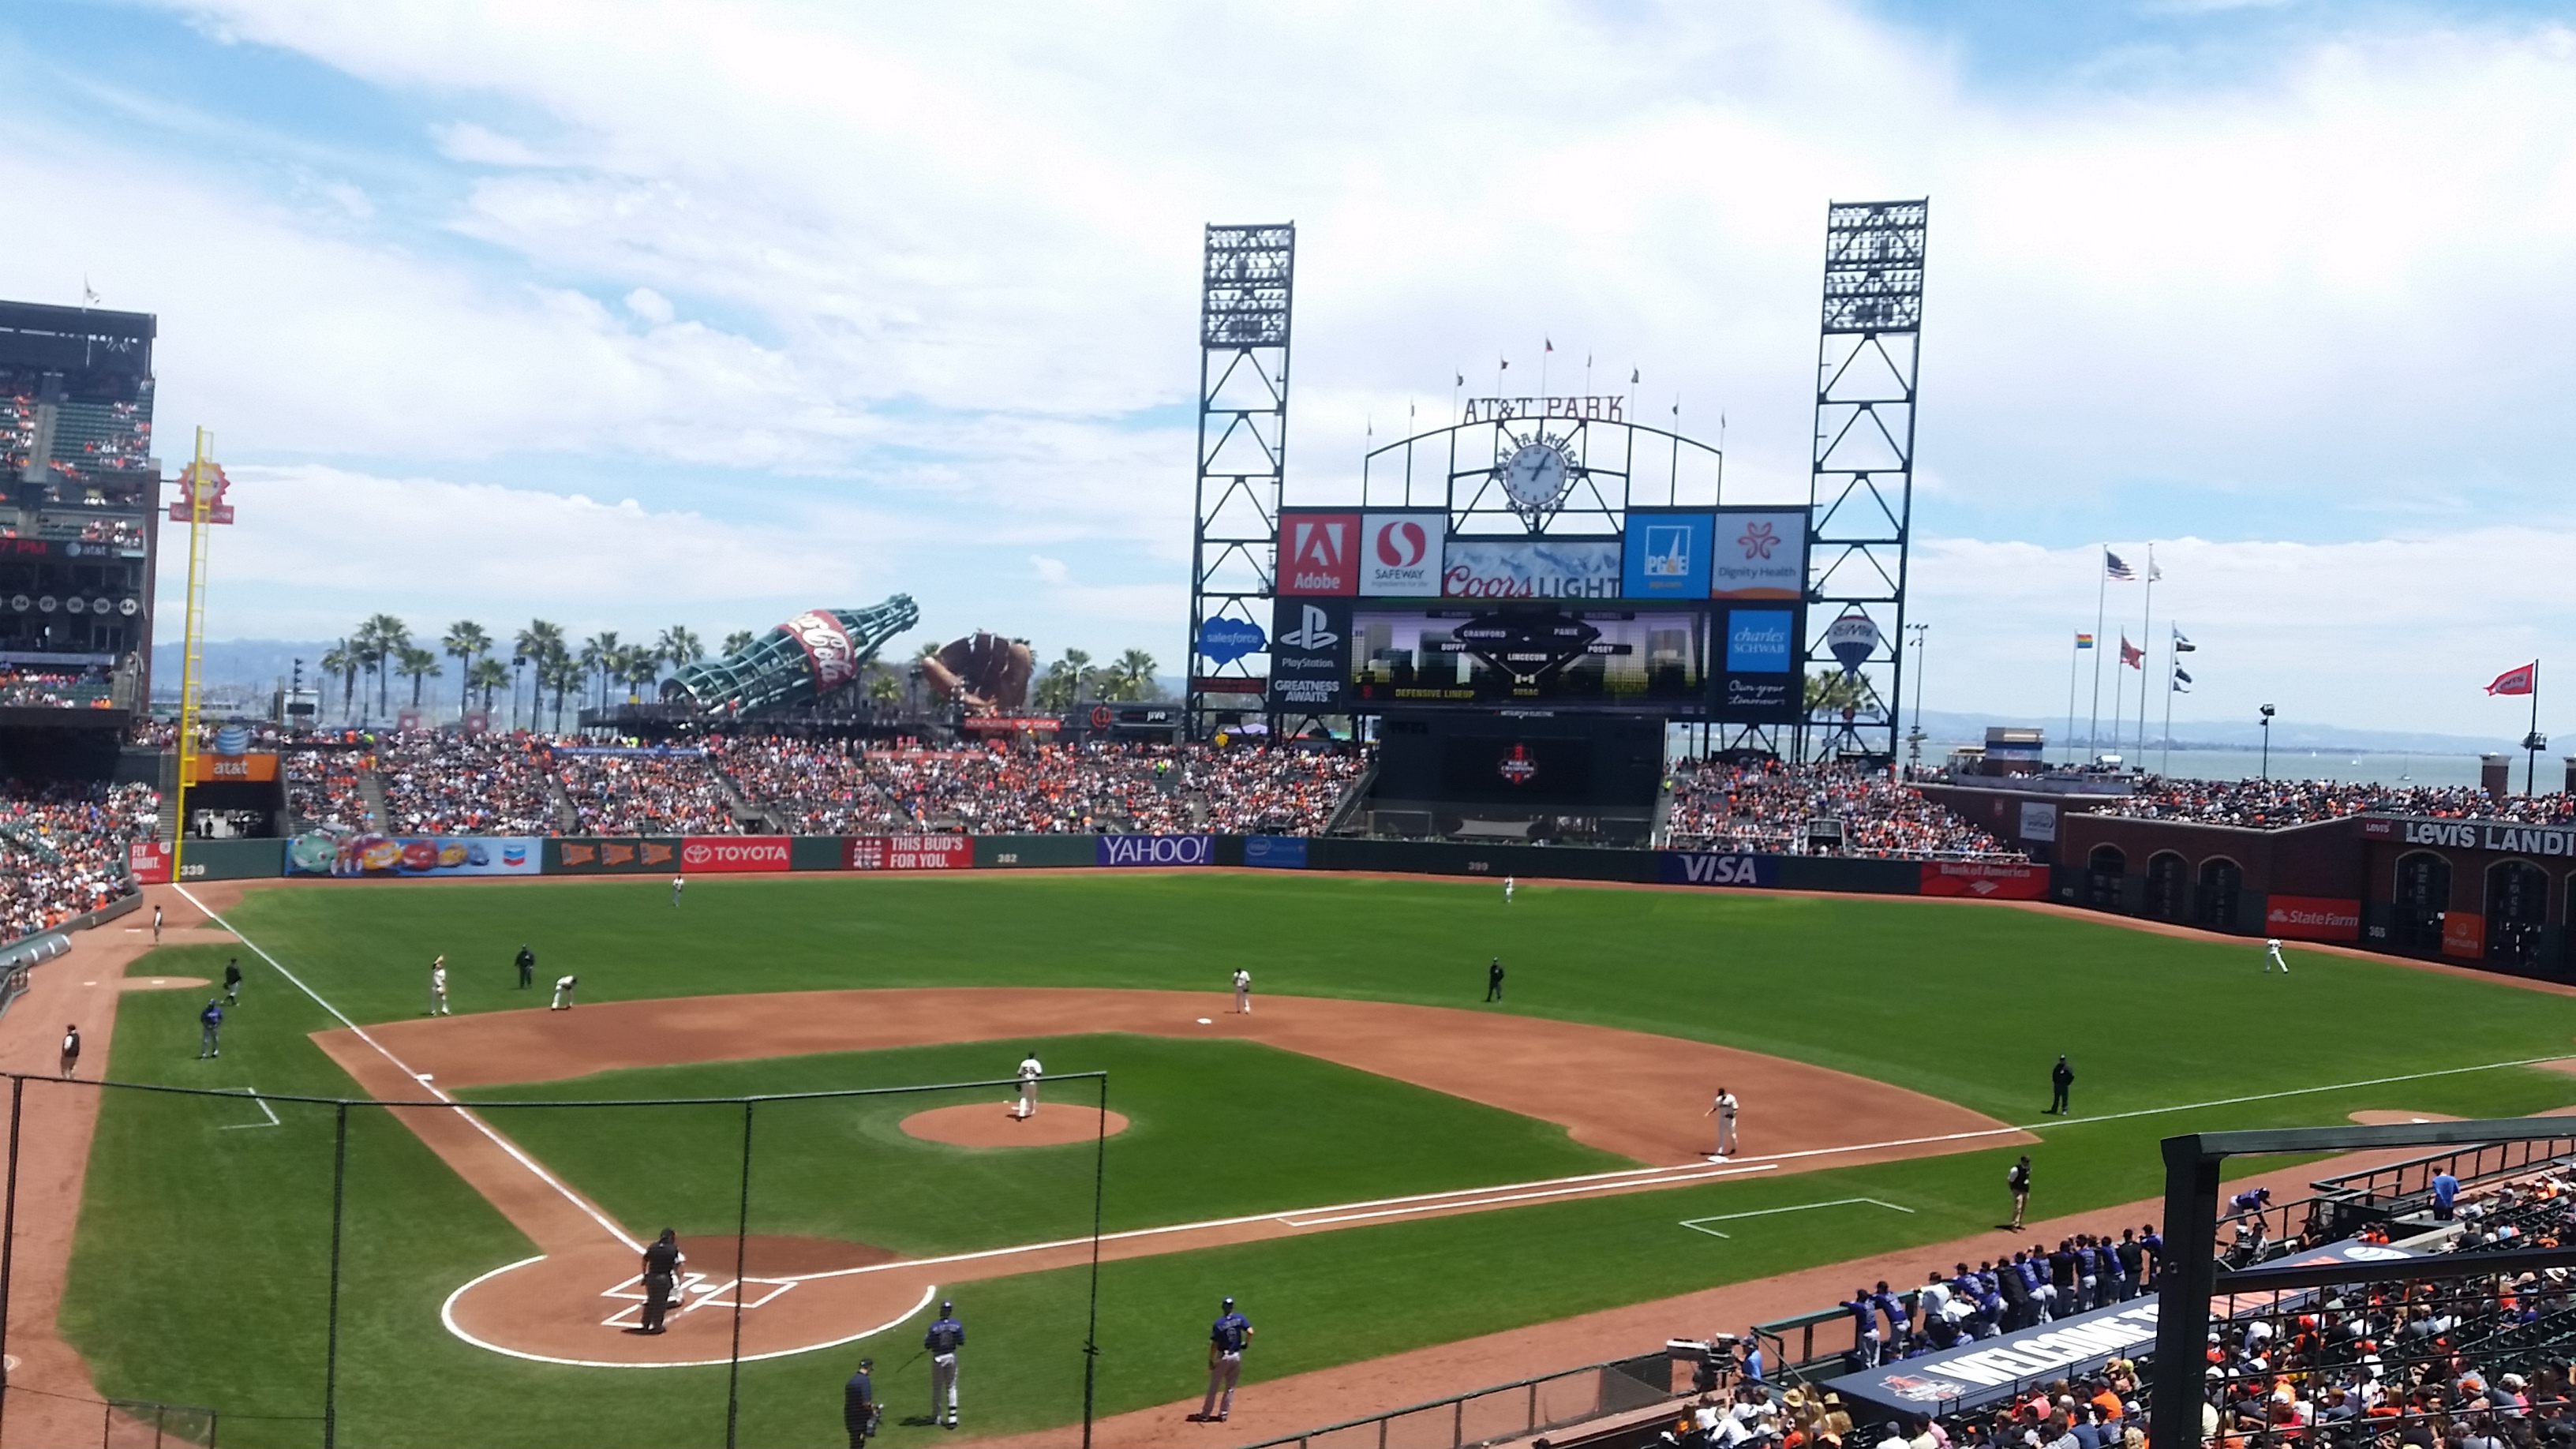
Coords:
632,315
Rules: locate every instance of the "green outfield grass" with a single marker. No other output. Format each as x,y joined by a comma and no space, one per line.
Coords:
199,1269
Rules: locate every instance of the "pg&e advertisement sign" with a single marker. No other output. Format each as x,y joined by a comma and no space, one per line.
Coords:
1125,850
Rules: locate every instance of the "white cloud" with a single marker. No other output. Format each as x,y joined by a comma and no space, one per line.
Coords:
650,305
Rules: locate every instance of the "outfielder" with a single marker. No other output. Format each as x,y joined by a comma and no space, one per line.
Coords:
1723,1109
945,1337
563,993
1228,1337
1242,992
1030,1071
1509,885
2272,957
676,883
438,986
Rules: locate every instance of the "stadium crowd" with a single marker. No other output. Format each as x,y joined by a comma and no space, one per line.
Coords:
322,790
63,849
2272,804
460,784
645,793
1766,806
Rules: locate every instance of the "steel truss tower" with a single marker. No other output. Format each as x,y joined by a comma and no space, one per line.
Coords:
1861,487
1242,454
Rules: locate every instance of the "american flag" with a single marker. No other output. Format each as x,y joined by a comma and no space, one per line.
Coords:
2111,565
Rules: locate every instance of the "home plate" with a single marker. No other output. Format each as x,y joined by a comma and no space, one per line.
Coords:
1207,1021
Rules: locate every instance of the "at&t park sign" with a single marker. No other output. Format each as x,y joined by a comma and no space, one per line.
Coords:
1589,409
2503,837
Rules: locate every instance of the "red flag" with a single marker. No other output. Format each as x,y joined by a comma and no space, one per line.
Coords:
2520,680
2131,655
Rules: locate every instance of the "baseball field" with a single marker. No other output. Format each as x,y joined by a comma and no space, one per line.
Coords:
1375,1160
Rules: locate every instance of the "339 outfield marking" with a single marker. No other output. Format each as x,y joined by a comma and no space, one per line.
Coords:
1700,1225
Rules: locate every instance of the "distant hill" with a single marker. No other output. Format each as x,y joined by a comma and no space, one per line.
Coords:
2227,734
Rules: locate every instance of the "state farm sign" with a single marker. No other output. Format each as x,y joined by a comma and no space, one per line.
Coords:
728,854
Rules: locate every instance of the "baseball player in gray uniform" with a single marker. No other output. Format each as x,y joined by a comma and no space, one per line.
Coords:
1030,1071
1242,992
945,1337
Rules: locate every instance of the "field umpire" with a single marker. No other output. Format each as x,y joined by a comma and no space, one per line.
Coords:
661,1275
859,1404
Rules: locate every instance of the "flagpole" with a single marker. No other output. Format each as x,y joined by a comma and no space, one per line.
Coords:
2101,600
2171,661
2074,660
2119,686
2146,642
2531,741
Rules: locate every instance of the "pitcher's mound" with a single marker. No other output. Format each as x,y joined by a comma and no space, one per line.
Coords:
990,1124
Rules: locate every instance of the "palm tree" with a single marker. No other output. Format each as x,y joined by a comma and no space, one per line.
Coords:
597,654
884,688
643,665
342,659
385,637
486,674
1062,686
534,645
465,643
1134,675
738,641
417,665
560,671
679,645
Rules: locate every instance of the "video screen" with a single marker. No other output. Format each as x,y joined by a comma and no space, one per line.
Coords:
1540,652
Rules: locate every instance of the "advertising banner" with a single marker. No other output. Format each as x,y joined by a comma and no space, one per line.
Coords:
221,769
911,852
1278,852
1153,849
1310,654
613,855
1507,653
1759,554
1756,670
1530,568
1666,555
1698,868
1318,553
732,854
2464,933
2038,820
1993,880
828,648
1990,1370
1400,553
354,856
150,862
2502,837
1227,640
2311,918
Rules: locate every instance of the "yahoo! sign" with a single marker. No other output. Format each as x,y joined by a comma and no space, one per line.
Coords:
1155,849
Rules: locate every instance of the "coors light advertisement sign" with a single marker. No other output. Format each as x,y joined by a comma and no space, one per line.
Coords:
827,647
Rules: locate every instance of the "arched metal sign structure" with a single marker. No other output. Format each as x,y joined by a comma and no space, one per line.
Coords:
1553,466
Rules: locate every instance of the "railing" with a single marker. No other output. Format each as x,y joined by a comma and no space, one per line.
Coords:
1504,1411
2376,1194
1774,1338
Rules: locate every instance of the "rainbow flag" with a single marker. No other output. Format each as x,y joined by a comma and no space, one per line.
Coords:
2083,641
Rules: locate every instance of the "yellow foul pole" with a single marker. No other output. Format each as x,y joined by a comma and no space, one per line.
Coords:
198,490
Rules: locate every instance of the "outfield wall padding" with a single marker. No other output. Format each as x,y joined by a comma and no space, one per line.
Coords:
817,852
231,860
1024,852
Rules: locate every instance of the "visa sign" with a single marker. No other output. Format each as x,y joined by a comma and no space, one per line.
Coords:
1683,867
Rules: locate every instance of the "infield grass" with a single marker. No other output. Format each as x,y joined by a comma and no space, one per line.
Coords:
198,1271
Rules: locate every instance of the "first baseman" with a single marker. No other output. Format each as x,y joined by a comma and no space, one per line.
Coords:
1242,992
1030,1071
1228,1337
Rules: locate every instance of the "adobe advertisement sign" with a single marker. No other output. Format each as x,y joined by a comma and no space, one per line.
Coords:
2311,918
1318,553
1700,868
1991,880
732,854
1310,654
909,852
1154,850
1759,554
352,856
1400,554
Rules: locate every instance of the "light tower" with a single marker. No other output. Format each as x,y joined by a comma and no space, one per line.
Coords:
1242,460
1861,487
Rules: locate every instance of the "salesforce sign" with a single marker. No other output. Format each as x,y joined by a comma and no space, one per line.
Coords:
1154,849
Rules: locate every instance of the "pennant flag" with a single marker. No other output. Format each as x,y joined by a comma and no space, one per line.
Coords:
2179,681
1551,345
2112,566
2182,645
2083,640
2131,655
2184,676
1632,377
2517,681
1462,379
1504,364
2153,573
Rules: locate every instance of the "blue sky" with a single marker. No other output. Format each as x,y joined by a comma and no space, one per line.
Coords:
708,314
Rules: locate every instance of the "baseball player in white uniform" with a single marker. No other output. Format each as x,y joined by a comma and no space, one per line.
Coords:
438,986
2272,956
1030,1071
563,993
676,883
1723,1109
1242,992
1509,885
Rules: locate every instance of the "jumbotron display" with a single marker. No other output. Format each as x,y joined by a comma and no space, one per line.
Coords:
810,656
1692,614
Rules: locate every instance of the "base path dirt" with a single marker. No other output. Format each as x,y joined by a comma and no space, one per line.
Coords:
999,1124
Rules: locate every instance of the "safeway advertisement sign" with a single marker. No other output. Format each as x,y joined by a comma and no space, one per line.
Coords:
732,854
2311,918
910,852
1992,880
1400,554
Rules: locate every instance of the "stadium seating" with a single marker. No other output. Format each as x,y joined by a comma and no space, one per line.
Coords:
639,794
456,784
63,849
2272,804
1766,806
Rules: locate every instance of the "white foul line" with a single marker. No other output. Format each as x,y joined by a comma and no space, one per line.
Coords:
505,1144
260,1102
1694,1223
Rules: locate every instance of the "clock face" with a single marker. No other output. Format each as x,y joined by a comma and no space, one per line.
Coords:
1534,476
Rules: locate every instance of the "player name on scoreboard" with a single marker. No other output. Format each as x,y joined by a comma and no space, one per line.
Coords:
911,852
